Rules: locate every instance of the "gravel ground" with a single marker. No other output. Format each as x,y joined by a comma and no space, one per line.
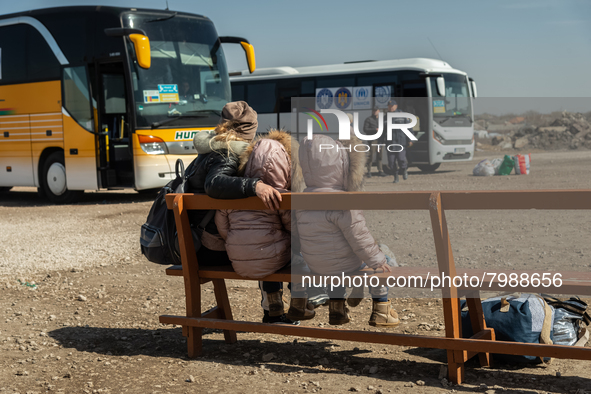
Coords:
91,324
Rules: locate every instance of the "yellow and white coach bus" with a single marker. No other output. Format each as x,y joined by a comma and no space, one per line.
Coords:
105,97
439,95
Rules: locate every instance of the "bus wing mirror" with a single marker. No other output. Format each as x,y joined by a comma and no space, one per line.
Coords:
140,41
141,44
248,50
441,86
473,86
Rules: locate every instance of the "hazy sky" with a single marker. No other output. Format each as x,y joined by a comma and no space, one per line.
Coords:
519,48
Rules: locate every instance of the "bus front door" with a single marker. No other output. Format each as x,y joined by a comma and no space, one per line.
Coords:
114,154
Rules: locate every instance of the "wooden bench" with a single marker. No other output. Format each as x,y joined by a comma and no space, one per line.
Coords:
459,349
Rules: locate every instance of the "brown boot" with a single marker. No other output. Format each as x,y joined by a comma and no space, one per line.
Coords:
299,310
275,303
338,313
382,315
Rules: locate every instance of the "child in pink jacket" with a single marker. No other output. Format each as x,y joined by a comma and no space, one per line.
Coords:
259,242
337,242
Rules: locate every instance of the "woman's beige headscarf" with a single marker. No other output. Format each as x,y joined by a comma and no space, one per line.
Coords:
244,118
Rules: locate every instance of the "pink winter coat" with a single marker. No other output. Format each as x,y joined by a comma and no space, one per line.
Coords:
333,242
259,242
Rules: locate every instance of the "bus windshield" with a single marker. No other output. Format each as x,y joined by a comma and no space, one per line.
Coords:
187,83
455,109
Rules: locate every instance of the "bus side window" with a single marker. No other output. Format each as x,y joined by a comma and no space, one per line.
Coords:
307,89
390,78
334,82
41,62
238,93
13,48
262,97
77,96
286,90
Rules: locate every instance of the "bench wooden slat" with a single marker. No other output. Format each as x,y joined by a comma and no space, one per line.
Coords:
516,199
413,200
175,270
459,344
213,313
572,282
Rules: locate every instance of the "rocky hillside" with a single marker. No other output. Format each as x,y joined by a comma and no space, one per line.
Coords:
569,131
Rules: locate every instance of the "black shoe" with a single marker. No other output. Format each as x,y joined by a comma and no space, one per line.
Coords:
382,174
368,175
405,175
279,319
396,179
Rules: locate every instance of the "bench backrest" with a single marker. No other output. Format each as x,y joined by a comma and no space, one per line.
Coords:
436,202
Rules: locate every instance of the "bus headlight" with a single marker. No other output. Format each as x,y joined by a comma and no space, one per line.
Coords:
153,145
437,137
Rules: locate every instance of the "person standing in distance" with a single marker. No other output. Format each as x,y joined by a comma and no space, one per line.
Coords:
397,160
370,127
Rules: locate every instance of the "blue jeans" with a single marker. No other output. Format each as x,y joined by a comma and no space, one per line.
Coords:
397,157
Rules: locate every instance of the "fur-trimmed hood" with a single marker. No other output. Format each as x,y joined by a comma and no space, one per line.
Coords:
269,165
204,142
329,165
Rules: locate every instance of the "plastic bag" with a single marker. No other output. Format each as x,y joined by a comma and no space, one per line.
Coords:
507,165
566,327
390,259
496,163
522,164
484,168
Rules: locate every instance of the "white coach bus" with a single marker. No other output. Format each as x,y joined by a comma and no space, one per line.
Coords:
439,95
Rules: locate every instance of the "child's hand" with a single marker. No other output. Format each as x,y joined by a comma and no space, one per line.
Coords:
385,268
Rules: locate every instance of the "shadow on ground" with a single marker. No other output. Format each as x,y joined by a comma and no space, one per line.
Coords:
299,355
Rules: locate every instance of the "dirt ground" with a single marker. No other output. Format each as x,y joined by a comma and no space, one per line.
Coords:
79,304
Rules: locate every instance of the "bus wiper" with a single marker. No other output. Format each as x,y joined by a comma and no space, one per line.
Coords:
156,125
443,120
162,19
464,116
215,111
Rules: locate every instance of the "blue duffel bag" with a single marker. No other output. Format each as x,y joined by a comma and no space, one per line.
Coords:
527,319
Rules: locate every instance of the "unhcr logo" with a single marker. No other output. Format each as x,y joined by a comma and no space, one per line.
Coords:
361,93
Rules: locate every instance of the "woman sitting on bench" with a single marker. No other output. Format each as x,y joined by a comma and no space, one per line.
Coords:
259,242
215,170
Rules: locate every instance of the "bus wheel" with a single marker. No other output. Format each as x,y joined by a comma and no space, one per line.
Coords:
53,181
428,167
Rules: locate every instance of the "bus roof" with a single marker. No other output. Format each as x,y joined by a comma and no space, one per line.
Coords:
422,64
91,8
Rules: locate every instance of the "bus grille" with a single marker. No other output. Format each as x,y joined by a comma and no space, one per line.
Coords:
451,156
457,142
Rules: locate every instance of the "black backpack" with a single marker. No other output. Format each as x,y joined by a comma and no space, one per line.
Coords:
159,239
